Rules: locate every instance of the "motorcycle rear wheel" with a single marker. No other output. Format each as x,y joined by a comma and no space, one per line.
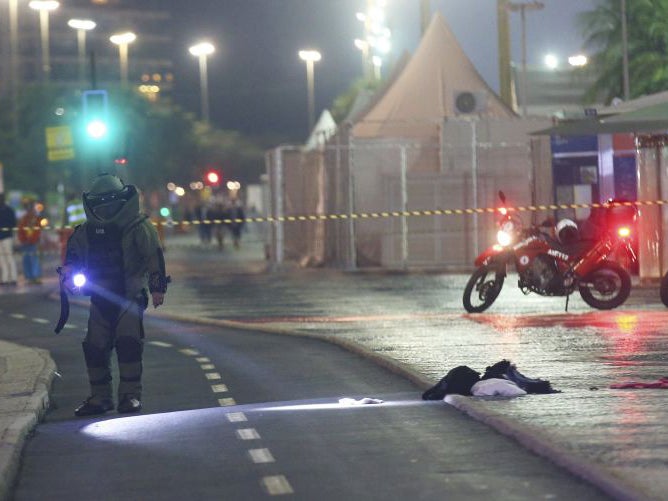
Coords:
480,291
607,287
663,289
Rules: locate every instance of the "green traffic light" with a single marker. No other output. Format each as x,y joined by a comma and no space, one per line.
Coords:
96,129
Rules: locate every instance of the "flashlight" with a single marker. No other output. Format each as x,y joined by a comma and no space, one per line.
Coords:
79,280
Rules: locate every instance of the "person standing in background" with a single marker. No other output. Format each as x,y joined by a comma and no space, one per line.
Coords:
235,213
29,234
7,225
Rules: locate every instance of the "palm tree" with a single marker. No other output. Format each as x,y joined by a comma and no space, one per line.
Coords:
647,22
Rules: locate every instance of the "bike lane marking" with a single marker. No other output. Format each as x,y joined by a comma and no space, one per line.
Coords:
274,485
277,485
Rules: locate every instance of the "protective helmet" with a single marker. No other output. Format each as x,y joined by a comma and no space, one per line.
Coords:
567,231
107,196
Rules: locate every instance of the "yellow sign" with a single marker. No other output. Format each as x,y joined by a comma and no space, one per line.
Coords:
59,143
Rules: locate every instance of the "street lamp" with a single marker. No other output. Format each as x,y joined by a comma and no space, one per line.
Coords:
123,40
523,7
377,62
551,61
202,51
14,77
578,60
44,7
363,46
82,26
310,57
625,52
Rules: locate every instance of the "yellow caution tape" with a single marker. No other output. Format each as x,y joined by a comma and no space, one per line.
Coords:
387,214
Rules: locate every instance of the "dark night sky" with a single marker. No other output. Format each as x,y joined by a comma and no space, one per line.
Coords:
258,83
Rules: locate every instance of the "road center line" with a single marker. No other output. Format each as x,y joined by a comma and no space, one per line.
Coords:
160,344
40,320
248,434
212,375
207,367
19,316
226,402
261,456
219,388
203,360
277,485
190,352
237,417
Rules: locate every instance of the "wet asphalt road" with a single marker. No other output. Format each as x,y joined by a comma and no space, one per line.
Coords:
241,415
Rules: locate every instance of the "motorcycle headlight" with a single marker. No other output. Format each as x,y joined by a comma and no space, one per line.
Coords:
504,238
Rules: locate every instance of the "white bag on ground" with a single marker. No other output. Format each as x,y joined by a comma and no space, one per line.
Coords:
496,387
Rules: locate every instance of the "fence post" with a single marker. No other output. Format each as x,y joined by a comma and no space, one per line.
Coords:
352,247
474,176
404,208
278,207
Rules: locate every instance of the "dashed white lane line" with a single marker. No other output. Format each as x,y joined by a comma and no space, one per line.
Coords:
226,402
190,352
40,320
237,417
207,367
161,344
248,434
71,326
277,485
261,456
19,316
212,375
203,360
219,388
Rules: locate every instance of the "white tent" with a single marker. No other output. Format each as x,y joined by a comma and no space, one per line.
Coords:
324,128
439,81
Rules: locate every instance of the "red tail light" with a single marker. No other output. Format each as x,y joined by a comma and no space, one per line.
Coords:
624,232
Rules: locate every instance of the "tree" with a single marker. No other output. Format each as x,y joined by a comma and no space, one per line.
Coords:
647,23
343,104
161,142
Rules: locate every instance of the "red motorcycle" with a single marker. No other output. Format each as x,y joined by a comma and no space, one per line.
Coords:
552,267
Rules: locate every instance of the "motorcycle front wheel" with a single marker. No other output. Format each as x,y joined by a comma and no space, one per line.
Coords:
482,289
607,287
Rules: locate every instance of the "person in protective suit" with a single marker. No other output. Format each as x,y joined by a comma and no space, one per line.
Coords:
118,250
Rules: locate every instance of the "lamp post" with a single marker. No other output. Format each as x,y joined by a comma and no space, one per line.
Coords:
202,51
523,7
310,57
14,77
82,26
625,53
123,40
44,7
363,46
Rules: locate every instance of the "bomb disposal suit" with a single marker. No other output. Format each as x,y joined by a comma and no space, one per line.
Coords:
118,251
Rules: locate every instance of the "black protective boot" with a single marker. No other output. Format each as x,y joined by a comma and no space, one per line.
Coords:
128,405
92,407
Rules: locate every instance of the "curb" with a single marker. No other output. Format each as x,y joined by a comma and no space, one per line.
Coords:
33,405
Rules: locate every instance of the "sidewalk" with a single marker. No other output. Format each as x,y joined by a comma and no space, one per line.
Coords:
410,324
